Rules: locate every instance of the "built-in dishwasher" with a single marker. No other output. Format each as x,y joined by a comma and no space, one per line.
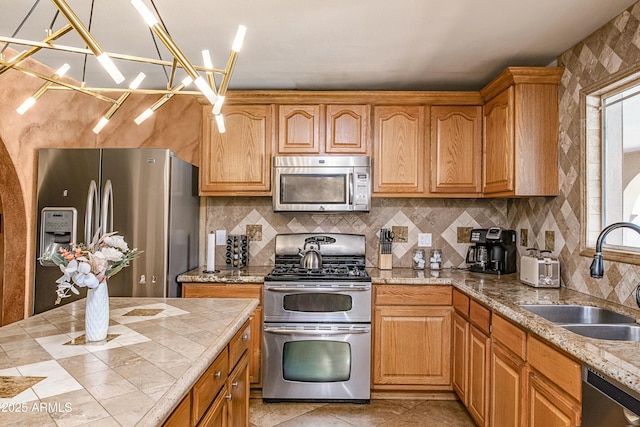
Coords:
606,402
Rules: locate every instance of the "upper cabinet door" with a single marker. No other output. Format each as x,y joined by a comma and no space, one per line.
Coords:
299,129
456,149
347,129
237,162
499,143
399,151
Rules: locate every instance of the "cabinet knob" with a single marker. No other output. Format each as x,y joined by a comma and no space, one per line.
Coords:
245,337
218,374
229,396
234,384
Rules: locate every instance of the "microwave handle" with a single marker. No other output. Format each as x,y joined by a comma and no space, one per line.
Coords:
351,178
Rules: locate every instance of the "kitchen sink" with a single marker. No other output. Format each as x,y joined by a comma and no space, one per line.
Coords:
615,332
577,314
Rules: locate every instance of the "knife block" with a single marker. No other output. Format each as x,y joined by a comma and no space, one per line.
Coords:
384,261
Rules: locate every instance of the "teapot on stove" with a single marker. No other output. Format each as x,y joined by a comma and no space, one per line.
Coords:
310,255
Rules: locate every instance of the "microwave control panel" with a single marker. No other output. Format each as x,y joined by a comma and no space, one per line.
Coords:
362,190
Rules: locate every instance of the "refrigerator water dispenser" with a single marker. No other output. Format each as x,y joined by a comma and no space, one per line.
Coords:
58,230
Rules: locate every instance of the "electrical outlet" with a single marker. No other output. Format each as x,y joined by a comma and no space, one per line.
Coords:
424,240
221,237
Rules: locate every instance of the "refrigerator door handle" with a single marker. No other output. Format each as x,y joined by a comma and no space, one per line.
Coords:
107,208
92,213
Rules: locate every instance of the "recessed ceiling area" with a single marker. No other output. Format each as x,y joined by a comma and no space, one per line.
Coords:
324,45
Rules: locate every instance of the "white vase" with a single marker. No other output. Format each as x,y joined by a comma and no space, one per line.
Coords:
96,318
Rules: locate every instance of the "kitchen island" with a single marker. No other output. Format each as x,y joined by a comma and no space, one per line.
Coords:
155,351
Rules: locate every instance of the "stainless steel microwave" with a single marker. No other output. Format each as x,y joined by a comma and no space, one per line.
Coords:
321,183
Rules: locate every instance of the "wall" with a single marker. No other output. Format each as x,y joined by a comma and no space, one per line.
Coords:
64,119
614,47
441,217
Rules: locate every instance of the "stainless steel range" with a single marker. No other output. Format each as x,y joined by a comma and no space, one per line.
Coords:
317,322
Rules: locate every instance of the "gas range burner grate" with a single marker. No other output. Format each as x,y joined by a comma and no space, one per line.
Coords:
327,272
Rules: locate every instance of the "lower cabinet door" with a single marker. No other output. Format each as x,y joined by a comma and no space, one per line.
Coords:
238,385
549,406
216,415
460,366
508,375
478,391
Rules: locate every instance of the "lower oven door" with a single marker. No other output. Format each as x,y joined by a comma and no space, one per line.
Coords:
348,302
316,362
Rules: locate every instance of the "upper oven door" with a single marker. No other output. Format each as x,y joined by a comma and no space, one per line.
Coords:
317,302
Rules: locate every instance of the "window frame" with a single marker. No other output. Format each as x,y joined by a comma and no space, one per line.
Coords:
592,167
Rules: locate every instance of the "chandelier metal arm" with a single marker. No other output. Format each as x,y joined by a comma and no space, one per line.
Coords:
43,45
57,82
27,53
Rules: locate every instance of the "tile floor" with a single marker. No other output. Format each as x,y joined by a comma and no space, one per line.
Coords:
379,413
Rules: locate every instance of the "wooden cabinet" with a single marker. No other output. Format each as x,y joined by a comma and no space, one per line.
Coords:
508,374
456,149
460,365
412,342
554,387
220,397
237,290
323,129
478,391
399,151
237,162
520,150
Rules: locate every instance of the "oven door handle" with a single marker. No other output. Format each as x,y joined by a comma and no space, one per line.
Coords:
313,332
317,290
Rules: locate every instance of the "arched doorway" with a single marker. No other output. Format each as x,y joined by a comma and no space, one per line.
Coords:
14,230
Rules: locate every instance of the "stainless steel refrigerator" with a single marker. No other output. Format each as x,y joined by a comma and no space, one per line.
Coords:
148,196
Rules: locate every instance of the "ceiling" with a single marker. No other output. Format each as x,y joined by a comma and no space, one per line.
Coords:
329,44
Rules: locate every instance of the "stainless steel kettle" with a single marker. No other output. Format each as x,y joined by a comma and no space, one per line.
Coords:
310,257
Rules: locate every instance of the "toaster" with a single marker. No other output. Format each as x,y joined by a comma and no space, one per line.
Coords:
540,271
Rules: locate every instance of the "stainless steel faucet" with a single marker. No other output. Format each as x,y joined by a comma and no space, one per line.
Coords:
597,265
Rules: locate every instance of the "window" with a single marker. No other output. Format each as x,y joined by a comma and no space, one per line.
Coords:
612,114
621,163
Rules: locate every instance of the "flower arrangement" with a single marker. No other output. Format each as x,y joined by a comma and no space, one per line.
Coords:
88,266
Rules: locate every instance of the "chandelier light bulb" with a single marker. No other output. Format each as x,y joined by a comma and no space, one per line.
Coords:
144,11
110,67
237,42
187,81
218,105
206,90
28,103
144,116
63,70
206,59
136,82
101,124
220,123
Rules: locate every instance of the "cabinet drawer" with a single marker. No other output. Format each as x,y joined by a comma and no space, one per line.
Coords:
210,290
209,384
556,366
461,303
412,295
480,316
510,336
239,344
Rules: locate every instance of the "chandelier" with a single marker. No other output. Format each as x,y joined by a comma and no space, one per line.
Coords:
215,94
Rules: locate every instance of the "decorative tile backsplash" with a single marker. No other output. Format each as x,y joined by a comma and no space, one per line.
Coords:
407,217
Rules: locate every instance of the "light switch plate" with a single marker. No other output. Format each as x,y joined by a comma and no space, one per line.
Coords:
221,237
424,240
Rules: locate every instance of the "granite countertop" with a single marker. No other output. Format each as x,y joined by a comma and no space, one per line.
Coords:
226,275
503,294
157,348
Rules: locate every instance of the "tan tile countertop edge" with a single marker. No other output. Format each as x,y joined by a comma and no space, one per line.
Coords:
173,349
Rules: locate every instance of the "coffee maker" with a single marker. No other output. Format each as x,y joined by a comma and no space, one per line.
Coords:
493,251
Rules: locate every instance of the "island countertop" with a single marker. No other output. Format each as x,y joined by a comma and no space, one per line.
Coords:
156,349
